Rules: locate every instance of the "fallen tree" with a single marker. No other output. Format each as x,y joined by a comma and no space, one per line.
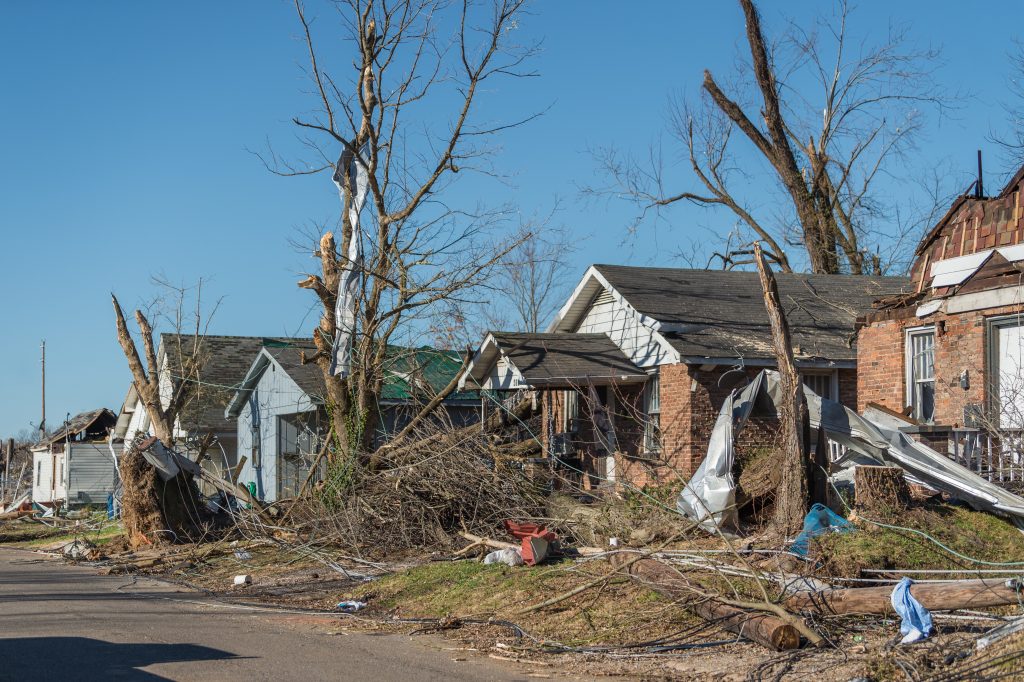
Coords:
760,626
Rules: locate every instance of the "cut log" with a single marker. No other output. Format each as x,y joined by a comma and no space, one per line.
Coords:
963,594
881,489
763,628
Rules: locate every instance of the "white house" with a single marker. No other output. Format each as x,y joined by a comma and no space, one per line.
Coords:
78,464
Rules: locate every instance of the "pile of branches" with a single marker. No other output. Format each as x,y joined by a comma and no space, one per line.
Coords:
420,494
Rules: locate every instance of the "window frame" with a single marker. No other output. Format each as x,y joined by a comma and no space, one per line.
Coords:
910,382
992,326
833,384
652,444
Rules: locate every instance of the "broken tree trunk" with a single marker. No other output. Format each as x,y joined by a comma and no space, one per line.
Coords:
963,594
763,628
791,495
881,489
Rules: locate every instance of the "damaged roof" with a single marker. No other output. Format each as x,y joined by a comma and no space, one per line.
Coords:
93,423
721,314
555,358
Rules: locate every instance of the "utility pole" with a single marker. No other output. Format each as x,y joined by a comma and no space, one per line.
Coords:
42,421
7,466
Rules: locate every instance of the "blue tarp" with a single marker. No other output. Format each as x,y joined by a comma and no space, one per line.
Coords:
819,520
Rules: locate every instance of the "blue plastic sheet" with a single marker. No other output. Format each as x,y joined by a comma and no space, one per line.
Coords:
820,519
917,622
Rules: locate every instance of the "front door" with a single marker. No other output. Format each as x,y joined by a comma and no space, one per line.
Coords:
298,444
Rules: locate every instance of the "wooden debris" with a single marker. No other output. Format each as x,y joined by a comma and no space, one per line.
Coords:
764,628
950,596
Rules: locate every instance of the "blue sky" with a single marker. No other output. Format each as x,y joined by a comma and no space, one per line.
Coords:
125,131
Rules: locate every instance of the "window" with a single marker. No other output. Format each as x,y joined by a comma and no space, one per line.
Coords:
39,473
652,409
570,411
920,348
824,383
1006,370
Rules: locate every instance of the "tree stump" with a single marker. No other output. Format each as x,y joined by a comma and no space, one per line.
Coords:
154,511
879,488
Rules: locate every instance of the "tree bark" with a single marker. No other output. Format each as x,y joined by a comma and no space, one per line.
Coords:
881,489
791,495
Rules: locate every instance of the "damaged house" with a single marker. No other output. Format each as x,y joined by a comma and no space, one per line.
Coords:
281,420
949,354
635,366
223,364
77,464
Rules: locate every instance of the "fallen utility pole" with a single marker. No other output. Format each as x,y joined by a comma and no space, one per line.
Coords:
765,629
963,594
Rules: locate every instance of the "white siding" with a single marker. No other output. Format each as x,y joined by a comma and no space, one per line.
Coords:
91,476
609,316
42,471
275,394
503,376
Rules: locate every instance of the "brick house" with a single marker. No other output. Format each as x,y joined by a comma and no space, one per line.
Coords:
635,366
949,354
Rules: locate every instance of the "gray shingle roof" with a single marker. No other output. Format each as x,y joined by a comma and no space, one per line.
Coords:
542,358
307,376
225,360
720,313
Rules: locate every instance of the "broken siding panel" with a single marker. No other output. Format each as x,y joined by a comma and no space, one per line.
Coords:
608,316
90,472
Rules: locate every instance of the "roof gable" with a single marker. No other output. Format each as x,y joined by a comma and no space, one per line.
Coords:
720,314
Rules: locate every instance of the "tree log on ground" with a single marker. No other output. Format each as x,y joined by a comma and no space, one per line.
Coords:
963,594
763,628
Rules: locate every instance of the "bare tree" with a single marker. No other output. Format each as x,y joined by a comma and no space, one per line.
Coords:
420,251
1012,141
826,116
529,284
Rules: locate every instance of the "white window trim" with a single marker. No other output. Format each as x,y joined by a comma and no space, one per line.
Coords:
654,379
832,374
908,360
992,352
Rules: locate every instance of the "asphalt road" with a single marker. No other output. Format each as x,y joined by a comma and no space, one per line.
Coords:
66,622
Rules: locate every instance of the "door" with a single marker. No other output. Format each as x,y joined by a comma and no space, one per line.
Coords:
1009,375
298,444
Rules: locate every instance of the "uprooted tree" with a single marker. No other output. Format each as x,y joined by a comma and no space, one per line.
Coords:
420,251
154,510
827,115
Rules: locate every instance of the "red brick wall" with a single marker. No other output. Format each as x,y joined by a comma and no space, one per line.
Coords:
880,365
959,345
690,402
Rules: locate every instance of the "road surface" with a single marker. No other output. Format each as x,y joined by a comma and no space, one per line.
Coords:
66,622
